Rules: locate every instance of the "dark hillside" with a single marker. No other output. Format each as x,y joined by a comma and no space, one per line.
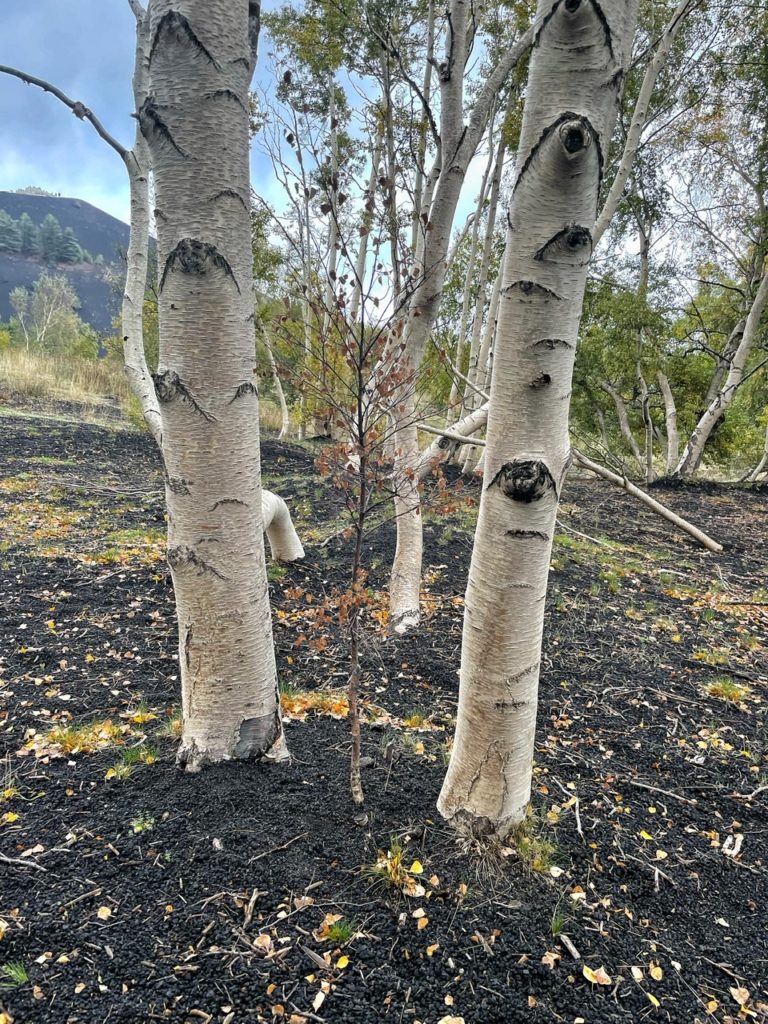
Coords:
96,231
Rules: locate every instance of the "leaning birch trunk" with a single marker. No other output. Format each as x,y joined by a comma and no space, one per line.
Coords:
195,121
283,540
670,417
694,449
576,69
760,467
621,413
656,506
441,447
640,118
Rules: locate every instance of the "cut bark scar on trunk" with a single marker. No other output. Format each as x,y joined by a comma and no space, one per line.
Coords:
656,506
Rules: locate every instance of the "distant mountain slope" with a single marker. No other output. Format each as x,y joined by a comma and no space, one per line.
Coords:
96,231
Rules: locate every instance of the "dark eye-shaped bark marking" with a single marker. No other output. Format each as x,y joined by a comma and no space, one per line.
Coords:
540,382
176,23
573,7
227,94
248,388
226,501
180,557
573,240
177,484
578,135
151,123
552,343
524,480
169,386
528,534
228,193
192,256
529,289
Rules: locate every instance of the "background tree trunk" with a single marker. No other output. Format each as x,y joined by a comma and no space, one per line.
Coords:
577,65
195,121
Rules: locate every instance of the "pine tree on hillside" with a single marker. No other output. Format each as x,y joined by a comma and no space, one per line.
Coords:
50,240
30,236
69,250
10,234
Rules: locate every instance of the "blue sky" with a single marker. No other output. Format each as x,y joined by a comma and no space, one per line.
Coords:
86,48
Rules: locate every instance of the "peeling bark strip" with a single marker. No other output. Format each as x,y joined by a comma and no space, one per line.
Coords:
580,51
169,386
200,70
192,256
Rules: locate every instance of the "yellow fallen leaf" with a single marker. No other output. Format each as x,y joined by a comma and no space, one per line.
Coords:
418,912
598,977
79,987
104,913
712,1005
448,999
416,868
653,999
656,973
422,923
434,880
342,962
9,817
431,950
645,835
637,974
661,855
451,1020
740,994
271,988
318,1001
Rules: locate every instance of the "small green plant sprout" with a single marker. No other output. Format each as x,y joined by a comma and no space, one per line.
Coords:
559,918
340,932
726,689
171,727
125,767
143,822
416,719
276,572
533,850
13,975
9,782
391,867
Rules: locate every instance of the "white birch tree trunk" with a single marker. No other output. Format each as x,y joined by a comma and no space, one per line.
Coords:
576,69
195,121
458,144
285,416
639,120
137,164
621,413
694,449
761,466
670,418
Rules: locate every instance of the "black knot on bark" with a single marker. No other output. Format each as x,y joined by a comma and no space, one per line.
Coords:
575,137
572,6
577,237
524,480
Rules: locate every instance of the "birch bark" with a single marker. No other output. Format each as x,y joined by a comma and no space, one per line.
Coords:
577,65
694,449
457,145
195,121
670,417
